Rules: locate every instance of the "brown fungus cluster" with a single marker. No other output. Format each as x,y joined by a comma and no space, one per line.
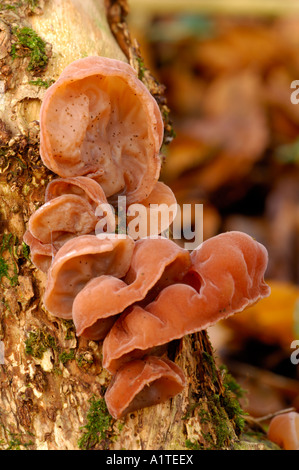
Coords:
101,133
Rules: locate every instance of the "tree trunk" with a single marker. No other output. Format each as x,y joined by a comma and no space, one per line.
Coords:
52,383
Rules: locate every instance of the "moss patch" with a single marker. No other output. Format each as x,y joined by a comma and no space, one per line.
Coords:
16,441
38,342
42,83
99,426
15,5
84,360
65,356
25,251
193,445
21,166
230,401
8,265
29,44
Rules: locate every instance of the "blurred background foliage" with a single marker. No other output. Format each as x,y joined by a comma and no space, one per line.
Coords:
227,68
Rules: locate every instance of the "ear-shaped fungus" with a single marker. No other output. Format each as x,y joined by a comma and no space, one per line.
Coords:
143,383
284,431
69,211
155,264
41,254
82,186
62,218
159,211
80,260
99,120
101,132
227,275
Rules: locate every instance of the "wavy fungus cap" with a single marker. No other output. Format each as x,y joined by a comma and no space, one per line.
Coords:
143,383
284,430
70,210
62,218
99,120
153,215
82,186
41,254
79,261
155,264
227,275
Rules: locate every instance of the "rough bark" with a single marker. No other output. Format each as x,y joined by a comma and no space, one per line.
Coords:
52,383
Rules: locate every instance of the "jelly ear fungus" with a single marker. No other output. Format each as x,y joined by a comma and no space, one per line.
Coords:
99,120
101,133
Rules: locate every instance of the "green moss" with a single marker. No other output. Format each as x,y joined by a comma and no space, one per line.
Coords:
223,407
190,410
141,68
16,441
83,362
64,357
57,370
210,361
222,430
6,305
233,392
204,416
231,384
32,3
31,45
223,410
6,242
193,445
4,269
120,426
8,268
235,413
70,329
41,83
38,342
4,6
255,441
13,5
222,433
15,253
25,251
99,425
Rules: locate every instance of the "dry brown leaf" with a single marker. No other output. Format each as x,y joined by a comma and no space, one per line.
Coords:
272,320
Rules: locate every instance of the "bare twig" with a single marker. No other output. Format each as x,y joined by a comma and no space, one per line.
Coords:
272,415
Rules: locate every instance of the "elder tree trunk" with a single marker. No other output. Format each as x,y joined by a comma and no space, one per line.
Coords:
51,383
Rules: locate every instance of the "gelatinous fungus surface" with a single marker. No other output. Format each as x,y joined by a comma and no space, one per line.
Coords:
101,133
